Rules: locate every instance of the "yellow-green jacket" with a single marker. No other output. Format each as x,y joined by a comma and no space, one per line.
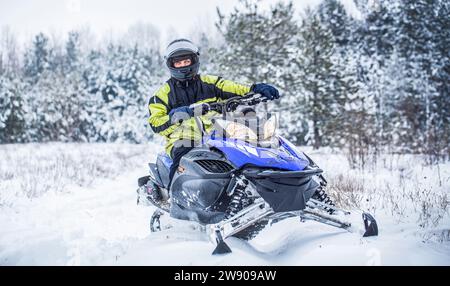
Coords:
173,94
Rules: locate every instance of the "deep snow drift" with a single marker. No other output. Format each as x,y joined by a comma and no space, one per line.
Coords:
75,204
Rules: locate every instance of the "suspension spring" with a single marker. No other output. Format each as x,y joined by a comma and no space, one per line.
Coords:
323,197
238,199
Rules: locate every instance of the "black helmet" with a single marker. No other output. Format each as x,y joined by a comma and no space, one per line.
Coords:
178,50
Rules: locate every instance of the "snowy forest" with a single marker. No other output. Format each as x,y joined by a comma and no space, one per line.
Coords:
372,83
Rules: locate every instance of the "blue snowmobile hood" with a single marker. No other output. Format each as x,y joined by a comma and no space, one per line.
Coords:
241,153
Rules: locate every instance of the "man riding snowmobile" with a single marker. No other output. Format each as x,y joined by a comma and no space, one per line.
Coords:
170,113
241,176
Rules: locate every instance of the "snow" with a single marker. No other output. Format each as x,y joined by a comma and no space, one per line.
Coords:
99,223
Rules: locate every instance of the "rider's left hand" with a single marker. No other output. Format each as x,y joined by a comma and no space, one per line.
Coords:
177,115
266,90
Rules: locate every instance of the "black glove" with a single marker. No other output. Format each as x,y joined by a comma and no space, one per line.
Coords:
177,115
266,91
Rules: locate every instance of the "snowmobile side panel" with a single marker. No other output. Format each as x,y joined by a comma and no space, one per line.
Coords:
198,186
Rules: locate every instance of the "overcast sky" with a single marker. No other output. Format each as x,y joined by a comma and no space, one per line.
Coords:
27,17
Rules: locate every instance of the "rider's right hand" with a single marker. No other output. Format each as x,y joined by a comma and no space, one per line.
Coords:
177,115
267,91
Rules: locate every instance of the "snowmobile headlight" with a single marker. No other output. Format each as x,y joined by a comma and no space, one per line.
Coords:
235,130
270,126
241,132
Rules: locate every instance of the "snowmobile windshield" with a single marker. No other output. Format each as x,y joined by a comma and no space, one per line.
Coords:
251,129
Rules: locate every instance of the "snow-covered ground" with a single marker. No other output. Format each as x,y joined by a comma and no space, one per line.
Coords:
75,204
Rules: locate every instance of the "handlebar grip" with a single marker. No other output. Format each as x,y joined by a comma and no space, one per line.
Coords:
204,108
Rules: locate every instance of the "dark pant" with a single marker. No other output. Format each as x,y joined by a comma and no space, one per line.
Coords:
176,154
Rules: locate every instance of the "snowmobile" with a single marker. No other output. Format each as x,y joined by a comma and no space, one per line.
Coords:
242,177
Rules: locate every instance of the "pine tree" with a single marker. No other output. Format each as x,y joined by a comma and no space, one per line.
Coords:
440,135
37,58
416,44
257,43
343,80
73,54
135,80
119,83
242,33
93,70
12,111
377,34
333,14
375,39
318,79
134,77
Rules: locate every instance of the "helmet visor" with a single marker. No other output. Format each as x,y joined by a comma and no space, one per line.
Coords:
173,60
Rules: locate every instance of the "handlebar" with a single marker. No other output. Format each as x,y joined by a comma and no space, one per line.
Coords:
223,107
230,104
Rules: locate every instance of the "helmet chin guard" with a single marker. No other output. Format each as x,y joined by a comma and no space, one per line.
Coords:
181,48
